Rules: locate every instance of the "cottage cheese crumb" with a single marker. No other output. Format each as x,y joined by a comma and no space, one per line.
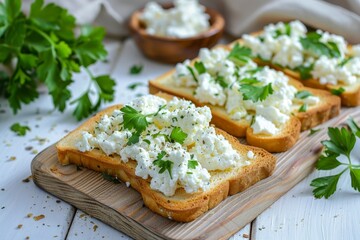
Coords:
250,155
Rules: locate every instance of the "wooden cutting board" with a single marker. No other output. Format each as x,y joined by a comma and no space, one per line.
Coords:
122,207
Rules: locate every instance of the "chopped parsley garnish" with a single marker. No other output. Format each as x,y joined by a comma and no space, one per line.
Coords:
163,164
136,69
192,73
286,31
178,135
110,178
134,120
192,164
303,108
341,142
20,130
221,81
303,94
304,71
313,131
200,67
255,70
338,91
255,93
133,86
345,61
313,44
240,54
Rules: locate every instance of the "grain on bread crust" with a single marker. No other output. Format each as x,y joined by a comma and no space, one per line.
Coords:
327,108
183,207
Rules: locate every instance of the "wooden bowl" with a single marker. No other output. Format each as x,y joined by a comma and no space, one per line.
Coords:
172,49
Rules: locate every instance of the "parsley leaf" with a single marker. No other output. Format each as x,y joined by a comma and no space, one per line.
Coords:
240,54
163,164
304,71
134,119
200,67
325,186
303,94
221,81
341,142
256,93
136,69
313,44
313,131
46,49
192,163
178,135
345,61
133,86
338,91
286,31
192,73
355,178
303,108
20,130
353,126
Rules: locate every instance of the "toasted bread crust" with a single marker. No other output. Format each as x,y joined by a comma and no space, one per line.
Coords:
328,108
183,207
280,142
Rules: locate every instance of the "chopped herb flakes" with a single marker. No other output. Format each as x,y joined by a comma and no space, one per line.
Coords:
20,130
136,69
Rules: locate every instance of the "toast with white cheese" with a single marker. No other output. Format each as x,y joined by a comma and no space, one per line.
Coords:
288,108
318,59
184,204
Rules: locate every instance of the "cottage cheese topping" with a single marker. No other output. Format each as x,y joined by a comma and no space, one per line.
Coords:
221,84
328,71
190,162
186,19
356,50
284,44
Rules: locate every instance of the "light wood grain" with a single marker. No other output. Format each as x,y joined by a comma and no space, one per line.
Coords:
122,207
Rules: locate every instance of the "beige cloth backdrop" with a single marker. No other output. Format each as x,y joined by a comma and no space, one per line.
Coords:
242,16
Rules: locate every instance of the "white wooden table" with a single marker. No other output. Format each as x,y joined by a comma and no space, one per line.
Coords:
28,212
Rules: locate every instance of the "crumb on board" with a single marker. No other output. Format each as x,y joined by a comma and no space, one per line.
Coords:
245,235
19,226
29,215
95,227
26,180
12,158
39,217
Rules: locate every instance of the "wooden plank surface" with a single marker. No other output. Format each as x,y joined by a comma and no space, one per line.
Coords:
122,207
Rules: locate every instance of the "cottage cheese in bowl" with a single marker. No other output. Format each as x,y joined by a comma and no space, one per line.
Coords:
186,19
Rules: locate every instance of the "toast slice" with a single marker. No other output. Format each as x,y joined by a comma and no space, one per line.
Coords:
350,92
181,206
327,108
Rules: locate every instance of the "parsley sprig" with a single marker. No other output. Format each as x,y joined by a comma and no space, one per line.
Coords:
341,142
314,46
251,90
135,120
240,54
45,49
164,165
